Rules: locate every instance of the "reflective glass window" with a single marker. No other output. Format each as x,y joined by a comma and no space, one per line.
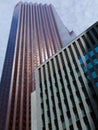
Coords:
94,75
91,53
95,61
86,57
96,49
90,65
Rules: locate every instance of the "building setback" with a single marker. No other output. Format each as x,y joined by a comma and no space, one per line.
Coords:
35,35
66,93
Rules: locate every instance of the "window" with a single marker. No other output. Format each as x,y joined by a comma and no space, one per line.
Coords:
96,84
64,126
95,61
69,117
91,53
54,111
82,109
72,100
75,113
89,104
79,125
71,127
88,77
94,75
85,92
84,69
69,88
94,119
78,96
90,65
86,123
86,57
96,49
66,103
80,59
75,85
62,118
68,114
49,126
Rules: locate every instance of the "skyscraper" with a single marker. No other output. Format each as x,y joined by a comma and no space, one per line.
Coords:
66,95
36,34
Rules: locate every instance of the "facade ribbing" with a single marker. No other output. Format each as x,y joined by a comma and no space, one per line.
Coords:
34,37
67,86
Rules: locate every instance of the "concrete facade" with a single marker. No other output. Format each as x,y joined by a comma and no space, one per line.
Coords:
66,93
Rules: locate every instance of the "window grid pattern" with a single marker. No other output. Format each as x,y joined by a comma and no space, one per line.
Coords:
74,95
33,39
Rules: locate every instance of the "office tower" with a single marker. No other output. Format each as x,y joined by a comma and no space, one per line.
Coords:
34,37
66,95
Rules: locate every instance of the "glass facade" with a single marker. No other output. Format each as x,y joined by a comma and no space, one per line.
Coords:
91,65
34,37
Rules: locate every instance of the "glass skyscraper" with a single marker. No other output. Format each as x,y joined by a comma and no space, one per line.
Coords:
36,34
66,95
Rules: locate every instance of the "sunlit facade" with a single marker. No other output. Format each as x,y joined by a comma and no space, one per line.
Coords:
66,95
34,37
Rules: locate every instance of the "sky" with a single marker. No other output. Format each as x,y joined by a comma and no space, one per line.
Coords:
76,15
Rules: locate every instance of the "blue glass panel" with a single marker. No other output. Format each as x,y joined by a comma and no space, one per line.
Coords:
86,57
80,61
95,61
90,65
88,76
96,49
84,69
91,53
94,75
97,84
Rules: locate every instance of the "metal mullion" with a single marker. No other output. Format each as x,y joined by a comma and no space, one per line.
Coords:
35,35
84,62
54,28
49,30
80,91
96,41
90,43
21,102
60,92
55,97
45,108
96,29
65,84
83,77
50,101
67,91
32,43
53,31
28,79
39,45
43,37
86,50
82,56
86,86
17,80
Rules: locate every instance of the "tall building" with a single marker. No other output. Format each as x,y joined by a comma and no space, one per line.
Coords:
66,95
36,34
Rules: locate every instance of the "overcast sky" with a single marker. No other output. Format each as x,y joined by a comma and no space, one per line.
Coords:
76,15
